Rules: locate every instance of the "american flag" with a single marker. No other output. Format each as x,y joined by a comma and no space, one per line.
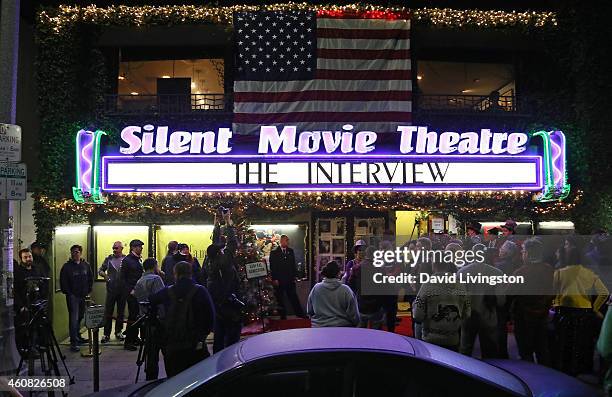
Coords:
319,70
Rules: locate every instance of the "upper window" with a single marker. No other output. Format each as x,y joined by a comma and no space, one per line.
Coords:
141,77
466,85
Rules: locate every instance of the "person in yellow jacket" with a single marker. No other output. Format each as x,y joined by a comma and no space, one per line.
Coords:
580,294
604,347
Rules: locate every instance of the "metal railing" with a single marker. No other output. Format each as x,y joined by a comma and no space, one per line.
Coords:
176,105
165,104
465,103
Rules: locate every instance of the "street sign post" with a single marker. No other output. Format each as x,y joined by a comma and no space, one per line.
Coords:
13,181
94,320
10,142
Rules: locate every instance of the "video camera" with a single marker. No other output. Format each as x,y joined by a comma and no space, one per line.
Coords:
34,290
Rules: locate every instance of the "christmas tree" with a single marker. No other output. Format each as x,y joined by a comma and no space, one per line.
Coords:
249,252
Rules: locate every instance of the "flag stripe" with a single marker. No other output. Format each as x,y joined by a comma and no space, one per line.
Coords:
363,64
362,44
322,106
363,33
363,75
362,54
320,116
328,85
376,126
322,95
357,23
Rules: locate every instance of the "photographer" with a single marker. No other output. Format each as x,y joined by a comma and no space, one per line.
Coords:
224,283
147,285
187,320
76,282
130,273
23,271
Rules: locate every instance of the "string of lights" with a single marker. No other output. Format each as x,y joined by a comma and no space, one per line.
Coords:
125,205
62,17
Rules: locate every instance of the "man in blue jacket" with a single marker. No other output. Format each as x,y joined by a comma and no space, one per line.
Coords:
76,281
188,318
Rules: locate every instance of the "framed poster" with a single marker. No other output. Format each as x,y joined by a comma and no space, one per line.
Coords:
325,227
338,246
324,247
331,244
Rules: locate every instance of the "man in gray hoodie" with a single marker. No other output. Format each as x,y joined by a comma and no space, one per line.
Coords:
332,303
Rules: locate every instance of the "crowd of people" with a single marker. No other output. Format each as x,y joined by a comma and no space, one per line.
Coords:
558,326
556,314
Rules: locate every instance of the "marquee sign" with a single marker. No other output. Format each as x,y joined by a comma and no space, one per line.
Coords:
154,159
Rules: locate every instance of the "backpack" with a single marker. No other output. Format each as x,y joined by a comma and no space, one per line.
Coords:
178,322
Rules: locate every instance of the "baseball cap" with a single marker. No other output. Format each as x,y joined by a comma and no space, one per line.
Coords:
135,243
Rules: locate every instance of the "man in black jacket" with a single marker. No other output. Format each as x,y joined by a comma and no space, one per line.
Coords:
284,275
114,292
21,272
76,281
168,262
224,285
188,318
131,271
40,263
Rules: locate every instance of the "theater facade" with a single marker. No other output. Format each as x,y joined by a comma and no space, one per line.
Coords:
151,144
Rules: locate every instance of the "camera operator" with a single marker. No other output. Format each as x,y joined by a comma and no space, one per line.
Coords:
76,282
40,263
224,283
187,320
24,270
130,273
147,285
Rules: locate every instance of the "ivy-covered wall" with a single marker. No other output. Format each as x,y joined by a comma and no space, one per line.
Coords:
72,80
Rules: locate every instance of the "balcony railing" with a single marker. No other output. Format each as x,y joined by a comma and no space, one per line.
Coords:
165,105
207,104
506,104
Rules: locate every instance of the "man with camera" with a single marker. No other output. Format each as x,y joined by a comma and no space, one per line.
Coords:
23,293
224,282
76,282
131,271
188,317
149,284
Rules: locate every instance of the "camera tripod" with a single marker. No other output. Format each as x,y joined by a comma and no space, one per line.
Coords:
41,339
145,323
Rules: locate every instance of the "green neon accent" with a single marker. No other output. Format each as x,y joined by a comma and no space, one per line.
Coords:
548,174
96,196
96,192
77,193
551,191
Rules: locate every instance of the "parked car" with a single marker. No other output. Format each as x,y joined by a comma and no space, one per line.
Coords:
354,362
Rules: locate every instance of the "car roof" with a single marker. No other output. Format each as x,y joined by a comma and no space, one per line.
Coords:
330,339
316,339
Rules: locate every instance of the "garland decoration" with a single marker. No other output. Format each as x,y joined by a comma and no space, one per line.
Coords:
64,16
